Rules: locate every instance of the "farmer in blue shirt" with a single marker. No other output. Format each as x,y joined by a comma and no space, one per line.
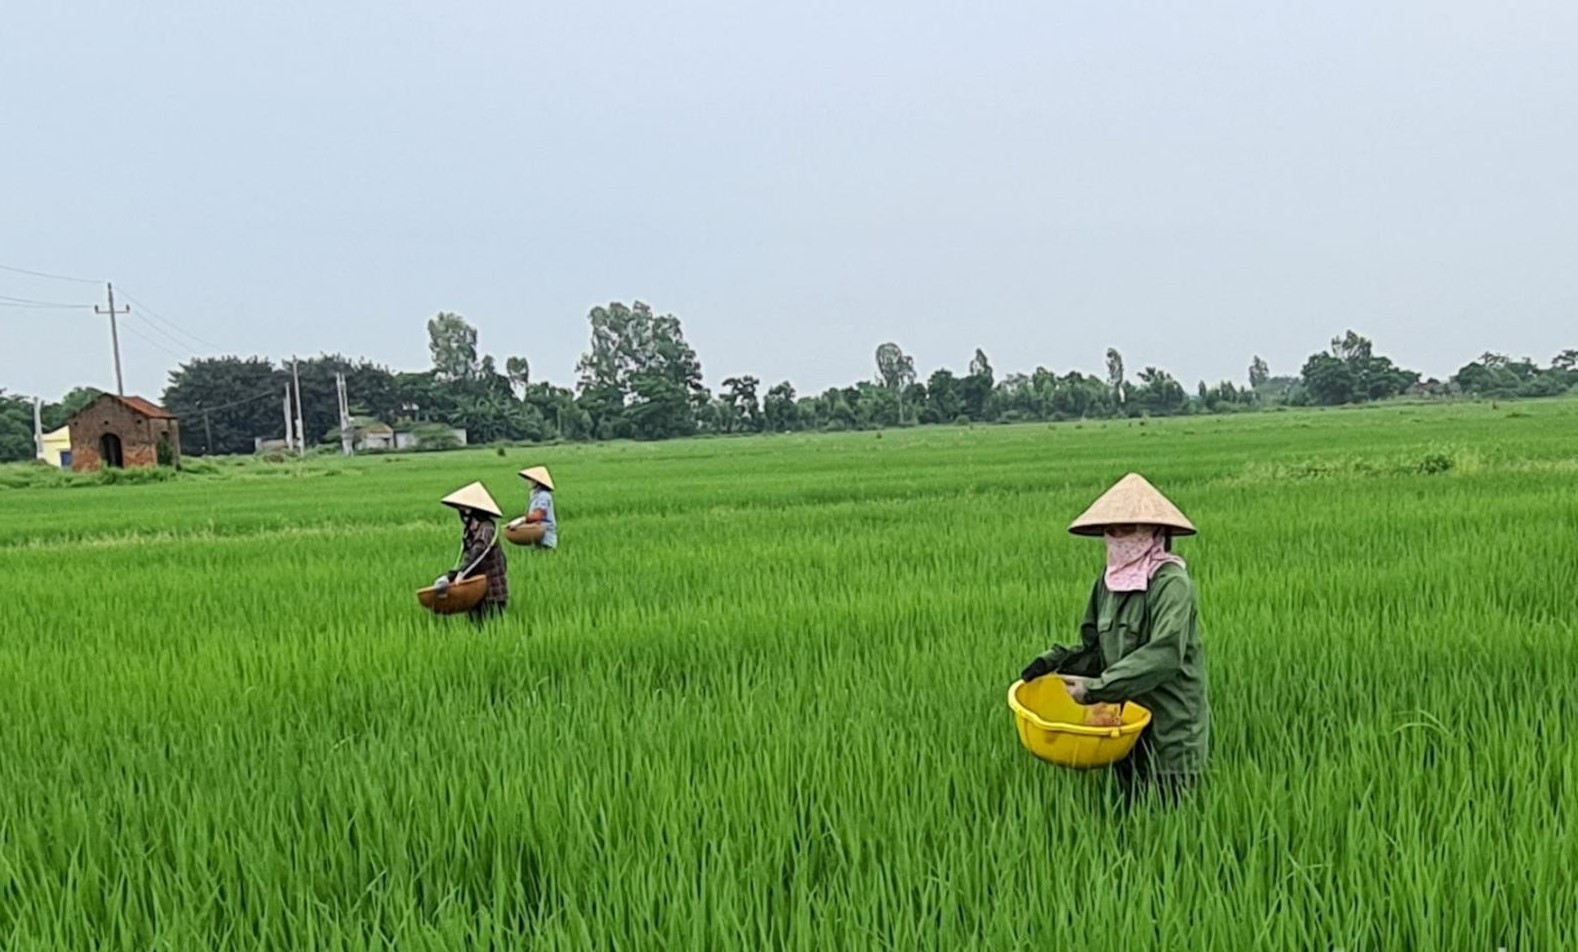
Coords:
539,509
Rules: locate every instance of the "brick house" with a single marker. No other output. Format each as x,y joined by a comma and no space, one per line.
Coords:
124,432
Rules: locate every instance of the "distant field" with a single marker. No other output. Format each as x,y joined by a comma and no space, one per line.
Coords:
757,698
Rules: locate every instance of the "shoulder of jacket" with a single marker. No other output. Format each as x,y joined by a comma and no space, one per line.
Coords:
1170,577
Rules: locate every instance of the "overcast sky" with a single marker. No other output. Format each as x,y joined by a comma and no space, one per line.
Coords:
1190,182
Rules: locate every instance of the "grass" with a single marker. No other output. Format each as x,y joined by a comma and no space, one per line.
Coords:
756,700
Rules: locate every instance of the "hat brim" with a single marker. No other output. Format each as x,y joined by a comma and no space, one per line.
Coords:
538,475
1132,501
1098,529
474,496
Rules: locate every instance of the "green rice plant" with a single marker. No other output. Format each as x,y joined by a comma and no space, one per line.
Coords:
756,700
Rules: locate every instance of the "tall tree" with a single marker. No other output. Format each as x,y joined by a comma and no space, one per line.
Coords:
779,409
16,428
453,345
980,366
661,408
1352,348
1115,375
1352,372
896,371
1259,373
1159,394
975,390
519,372
943,402
1329,380
636,356
1496,375
233,399
740,395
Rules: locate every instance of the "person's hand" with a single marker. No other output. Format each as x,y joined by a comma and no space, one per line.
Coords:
1036,669
1078,688
442,584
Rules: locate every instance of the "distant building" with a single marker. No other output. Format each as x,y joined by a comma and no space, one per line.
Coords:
56,450
121,432
1432,388
369,435
413,440
373,436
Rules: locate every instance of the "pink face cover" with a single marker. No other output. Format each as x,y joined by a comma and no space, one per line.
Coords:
1133,559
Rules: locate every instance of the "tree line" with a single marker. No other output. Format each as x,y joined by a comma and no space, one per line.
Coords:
640,379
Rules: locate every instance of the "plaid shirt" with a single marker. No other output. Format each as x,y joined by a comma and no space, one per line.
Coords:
480,537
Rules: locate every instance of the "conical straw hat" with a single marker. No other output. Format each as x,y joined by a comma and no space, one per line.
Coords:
1133,501
474,496
538,474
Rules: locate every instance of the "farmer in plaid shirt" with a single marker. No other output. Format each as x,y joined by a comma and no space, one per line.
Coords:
480,552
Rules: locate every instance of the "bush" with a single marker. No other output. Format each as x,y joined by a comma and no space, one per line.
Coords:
152,474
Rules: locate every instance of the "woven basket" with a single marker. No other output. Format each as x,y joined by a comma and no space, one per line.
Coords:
462,596
525,533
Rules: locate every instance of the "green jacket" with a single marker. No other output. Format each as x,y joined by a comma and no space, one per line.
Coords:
1145,647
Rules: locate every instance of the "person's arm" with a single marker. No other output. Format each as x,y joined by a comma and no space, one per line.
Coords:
538,513
1161,657
1084,658
479,539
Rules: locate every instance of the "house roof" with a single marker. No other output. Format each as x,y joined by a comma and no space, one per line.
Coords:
147,408
137,405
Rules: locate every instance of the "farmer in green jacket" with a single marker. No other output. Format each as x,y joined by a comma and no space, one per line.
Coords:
1140,638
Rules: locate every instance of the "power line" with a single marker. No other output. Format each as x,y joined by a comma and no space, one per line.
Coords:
46,274
131,329
173,325
166,328
225,406
176,341
10,301
43,307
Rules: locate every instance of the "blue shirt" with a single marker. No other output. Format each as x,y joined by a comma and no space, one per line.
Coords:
543,499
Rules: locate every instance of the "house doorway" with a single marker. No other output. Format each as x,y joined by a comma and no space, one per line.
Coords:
110,450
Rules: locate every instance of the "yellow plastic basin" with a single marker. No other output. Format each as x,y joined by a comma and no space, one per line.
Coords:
1050,726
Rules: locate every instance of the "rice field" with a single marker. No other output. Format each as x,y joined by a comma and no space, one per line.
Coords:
756,700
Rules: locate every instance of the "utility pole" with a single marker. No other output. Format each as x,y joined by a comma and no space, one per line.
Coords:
289,441
208,435
301,433
346,445
38,427
115,337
